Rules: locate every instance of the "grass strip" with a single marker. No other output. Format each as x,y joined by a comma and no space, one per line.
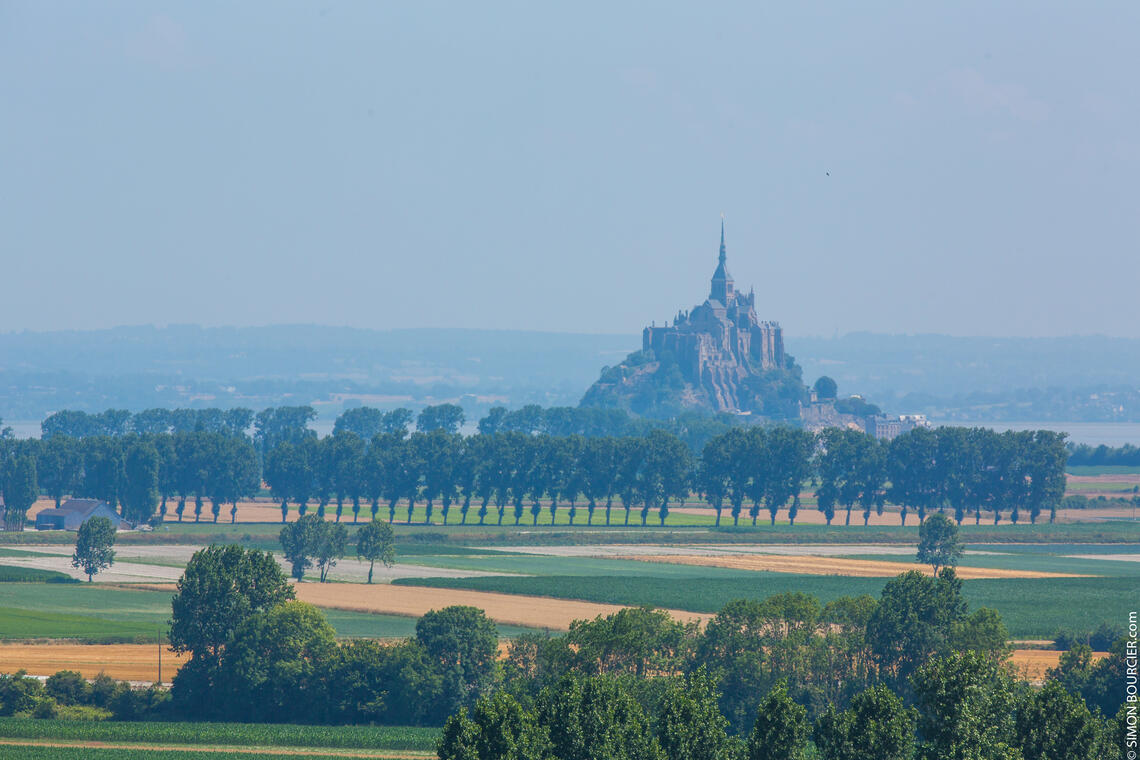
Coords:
415,738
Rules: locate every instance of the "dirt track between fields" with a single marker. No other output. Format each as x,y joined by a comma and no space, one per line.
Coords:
860,568
127,662
414,601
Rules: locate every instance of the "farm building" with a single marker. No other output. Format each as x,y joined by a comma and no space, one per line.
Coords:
74,512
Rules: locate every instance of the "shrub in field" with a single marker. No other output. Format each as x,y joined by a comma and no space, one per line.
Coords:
18,693
68,687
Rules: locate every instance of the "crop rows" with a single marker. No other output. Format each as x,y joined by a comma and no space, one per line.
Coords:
235,734
1030,607
32,752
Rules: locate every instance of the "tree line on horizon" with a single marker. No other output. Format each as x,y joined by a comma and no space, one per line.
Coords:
511,469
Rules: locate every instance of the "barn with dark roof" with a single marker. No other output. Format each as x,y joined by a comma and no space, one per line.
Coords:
74,512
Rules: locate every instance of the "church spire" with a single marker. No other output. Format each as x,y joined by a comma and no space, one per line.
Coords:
722,281
722,256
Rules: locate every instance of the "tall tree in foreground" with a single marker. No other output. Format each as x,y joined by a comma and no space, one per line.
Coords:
781,728
93,546
1055,725
221,587
273,668
914,621
596,717
966,709
497,728
691,726
938,544
877,725
376,541
463,643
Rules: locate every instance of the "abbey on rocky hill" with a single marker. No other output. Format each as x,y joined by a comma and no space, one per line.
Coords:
719,356
720,342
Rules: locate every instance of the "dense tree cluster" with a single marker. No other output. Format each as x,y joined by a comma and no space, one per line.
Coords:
258,656
911,674
1101,456
820,687
67,694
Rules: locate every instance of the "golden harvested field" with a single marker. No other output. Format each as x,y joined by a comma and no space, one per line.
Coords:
129,662
413,601
509,609
1031,664
139,662
862,568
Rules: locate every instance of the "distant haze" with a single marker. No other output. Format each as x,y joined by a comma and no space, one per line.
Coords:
960,168
1090,379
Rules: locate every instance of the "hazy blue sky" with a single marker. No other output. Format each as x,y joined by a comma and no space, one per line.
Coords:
385,164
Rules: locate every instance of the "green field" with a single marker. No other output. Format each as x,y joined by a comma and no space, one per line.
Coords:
103,614
1034,562
225,734
31,752
10,574
1124,489
1102,469
1031,608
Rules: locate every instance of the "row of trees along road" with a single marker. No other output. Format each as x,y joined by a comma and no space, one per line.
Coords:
913,673
510,474
516,475
138,473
